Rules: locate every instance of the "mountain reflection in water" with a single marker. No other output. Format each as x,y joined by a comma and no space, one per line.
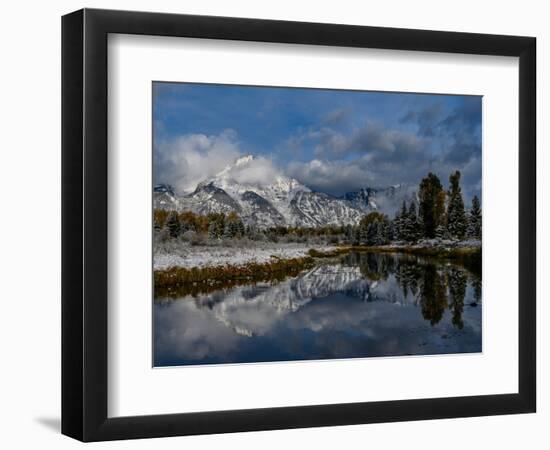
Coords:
363,305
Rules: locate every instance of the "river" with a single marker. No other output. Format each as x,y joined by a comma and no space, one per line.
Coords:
360,305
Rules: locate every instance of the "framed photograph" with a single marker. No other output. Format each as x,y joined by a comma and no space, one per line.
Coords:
273,224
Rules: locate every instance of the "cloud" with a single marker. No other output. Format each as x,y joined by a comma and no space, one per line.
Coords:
458,132
258,171
187,160
334,157
426,119
334,177
369,139
375,154
337,116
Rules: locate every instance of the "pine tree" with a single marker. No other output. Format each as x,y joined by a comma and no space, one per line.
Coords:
431,204
380,238
441,232
390,231
357,235
229,230
371,233
412,231
240,228
173,224
474,219
349,233
456,216
216,227
213,230
401,220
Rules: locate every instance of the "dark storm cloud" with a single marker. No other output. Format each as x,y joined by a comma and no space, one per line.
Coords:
370,138
458,133
426,119
432,138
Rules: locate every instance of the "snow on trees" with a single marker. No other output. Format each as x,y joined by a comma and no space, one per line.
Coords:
456,216
173,224
474,219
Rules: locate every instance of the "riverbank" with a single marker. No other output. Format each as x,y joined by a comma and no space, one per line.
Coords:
189,256
445,249
205,269
175,280
249,252
467,253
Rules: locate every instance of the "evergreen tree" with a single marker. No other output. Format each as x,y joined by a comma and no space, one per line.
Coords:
405,226
213,231
441,232
401,220
390,231
431,204
440,209
372,232
456,216
239,227
216,227
229,231
349,233
474,222
363,234
173,224
412,231
380,238
357,236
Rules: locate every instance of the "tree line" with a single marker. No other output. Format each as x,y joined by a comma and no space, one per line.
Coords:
436,213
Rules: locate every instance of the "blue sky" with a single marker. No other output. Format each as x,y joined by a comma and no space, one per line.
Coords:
331,140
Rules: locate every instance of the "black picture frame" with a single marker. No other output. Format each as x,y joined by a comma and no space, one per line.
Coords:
84,224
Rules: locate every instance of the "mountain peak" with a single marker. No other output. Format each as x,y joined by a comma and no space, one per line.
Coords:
244,160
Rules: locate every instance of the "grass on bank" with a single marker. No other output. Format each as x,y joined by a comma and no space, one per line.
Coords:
181,280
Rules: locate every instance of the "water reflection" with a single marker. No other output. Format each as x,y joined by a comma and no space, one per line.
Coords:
363,305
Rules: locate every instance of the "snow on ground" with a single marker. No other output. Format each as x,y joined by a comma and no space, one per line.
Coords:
203,256
185,255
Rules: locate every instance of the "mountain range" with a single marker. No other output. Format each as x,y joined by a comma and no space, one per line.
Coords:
280,200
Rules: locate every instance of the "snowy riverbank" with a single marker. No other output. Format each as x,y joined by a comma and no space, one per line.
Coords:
211,256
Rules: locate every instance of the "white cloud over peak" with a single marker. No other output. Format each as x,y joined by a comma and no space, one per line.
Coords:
257,171
187,160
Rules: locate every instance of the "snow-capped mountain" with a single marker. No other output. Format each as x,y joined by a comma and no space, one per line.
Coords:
311,209
278,190
164,197
266,198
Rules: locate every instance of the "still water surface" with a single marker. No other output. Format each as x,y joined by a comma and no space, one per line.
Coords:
362,305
